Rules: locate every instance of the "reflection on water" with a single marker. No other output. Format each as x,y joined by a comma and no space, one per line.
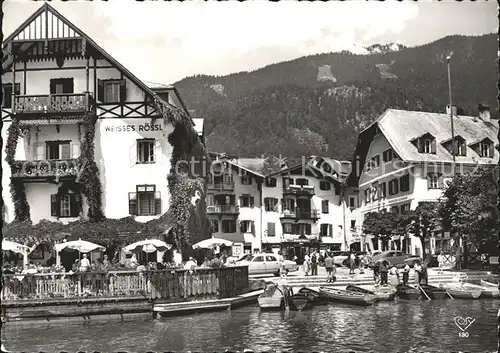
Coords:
405,326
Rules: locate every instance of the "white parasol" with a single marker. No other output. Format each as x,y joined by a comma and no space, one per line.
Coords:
82,246
8,245
148,245
212,243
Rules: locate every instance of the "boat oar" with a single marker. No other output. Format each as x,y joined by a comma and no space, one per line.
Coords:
423,291
449,295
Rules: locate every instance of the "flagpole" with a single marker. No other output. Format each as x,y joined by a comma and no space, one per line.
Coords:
448,59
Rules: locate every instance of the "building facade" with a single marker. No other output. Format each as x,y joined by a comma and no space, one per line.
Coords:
69,97
405,158
294,210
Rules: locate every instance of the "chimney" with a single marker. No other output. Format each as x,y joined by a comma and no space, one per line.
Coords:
453,108
484,113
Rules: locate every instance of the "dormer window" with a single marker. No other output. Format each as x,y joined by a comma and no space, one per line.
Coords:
387,155
425,144
484,148
458,148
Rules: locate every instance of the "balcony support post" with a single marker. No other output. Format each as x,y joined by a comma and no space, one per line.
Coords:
87,83
13,75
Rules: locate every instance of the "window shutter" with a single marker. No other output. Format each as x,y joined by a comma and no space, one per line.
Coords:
440,181
75,150
330,230
65,151
463,149
123,90
68,85
252,201
282,205
40,151
429,178
241,201
420,146
132,203
133,152
158,152
74,200
157,202
17,89
337,189
253,227
54,209
53,84
433,146
492,150
7,96
100,91
308,229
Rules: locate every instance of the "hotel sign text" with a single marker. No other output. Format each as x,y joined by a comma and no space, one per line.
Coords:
134,127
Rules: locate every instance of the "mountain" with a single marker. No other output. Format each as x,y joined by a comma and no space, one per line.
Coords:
317,104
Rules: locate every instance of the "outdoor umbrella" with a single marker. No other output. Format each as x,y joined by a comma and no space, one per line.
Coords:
212,243
148,245
82,246
8,245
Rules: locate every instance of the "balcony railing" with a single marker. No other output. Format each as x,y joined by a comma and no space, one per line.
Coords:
298,214
225,186
223,209
53,104
167,284
298,190
45,168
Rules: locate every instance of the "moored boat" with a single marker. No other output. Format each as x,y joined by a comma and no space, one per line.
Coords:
314,296
381,292
489,283
408,292
433,292
346,296
299,301
464,291
487,291
271,298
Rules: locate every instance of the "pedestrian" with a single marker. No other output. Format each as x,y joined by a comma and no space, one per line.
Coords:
424,273
362,263
306,265
216,262
440,259
314,264
330,268
418,272
376,271
383,273
352,263
406,274
394,272
84,263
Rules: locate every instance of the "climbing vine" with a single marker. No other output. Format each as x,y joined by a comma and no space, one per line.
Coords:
17,191
88,170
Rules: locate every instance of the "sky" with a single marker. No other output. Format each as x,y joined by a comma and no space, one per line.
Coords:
164,42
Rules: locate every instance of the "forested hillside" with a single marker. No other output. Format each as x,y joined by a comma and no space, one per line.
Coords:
317,104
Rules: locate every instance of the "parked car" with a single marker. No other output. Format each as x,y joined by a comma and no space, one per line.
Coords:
340,257
265,263
395,257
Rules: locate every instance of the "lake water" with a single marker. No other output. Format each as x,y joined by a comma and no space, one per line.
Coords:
404,326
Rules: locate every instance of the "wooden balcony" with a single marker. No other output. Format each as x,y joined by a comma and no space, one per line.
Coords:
53,104
223,209
297,190
301,215
46,168
225,186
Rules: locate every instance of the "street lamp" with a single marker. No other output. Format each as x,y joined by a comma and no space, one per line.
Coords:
448,59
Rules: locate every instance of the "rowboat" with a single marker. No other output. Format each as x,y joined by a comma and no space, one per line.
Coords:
382,293
345,296
314,296
464,291
486,283
433,292
299,301
407,292
271,298
487,291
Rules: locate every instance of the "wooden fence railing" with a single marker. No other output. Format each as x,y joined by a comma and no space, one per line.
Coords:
166,284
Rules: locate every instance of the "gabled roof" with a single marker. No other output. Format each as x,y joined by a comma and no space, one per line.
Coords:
40,17
448,140
198,125
237,165
481,140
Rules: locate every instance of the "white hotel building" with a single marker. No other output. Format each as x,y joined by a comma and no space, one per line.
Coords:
292,210
53,76
406,158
